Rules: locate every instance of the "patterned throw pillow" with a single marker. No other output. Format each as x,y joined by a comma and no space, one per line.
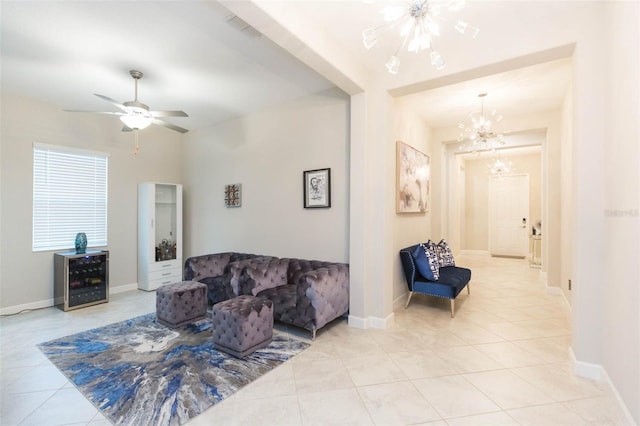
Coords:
426,261
445,254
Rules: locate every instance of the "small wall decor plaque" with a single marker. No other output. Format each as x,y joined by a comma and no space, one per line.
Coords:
233,195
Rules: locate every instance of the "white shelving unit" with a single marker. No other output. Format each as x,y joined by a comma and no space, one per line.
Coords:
159,234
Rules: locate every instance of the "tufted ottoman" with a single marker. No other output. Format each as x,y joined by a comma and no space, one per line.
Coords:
242,325
181,303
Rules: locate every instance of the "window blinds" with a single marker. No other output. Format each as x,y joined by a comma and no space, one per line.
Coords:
69,196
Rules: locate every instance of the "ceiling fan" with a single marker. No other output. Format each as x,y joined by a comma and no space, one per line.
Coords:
135,115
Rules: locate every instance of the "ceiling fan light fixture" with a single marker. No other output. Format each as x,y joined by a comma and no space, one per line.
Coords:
137,116
136,121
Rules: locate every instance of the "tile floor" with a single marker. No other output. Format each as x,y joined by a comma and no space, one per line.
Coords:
503,360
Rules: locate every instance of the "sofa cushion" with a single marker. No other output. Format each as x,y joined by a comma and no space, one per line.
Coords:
235,268
265,275
451,282
426,261
284,302
218,290
445,254
209,265
455,276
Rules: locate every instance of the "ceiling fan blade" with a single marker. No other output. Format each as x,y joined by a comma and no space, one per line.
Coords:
112,102
168,113
96,112
168,125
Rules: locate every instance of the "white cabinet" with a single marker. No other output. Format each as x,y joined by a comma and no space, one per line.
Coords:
159,234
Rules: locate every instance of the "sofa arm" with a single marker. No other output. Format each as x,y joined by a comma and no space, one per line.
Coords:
323,294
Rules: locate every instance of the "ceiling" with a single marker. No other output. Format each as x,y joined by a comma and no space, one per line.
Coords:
61,52
197,60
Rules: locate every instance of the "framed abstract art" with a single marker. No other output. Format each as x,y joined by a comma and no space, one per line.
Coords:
412,179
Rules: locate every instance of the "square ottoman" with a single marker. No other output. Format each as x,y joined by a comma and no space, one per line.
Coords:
180,303
242,325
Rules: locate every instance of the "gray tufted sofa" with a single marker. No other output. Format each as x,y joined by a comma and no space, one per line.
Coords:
305,293
210,270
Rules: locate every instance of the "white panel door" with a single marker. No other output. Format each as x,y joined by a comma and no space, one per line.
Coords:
509,215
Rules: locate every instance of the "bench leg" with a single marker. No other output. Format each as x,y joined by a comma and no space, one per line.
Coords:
408,300
453,303
468,289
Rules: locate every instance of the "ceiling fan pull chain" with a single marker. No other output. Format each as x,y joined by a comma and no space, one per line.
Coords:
137,145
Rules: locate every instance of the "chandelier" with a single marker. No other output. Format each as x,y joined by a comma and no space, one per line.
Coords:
481,133
418,21
499,167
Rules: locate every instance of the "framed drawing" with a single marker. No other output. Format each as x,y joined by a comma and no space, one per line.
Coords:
412,179
317,188
233,195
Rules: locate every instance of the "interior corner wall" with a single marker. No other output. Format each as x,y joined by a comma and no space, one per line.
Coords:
26,277
566,198
551,218
267,153
412,228
621,175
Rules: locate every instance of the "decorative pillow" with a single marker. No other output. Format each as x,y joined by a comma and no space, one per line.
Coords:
426,261
445,254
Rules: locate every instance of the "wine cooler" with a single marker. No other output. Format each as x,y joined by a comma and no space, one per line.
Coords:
81,279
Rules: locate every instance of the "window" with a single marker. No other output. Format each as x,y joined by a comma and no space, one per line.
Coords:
69,196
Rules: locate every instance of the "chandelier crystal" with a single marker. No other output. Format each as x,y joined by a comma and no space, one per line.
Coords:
481,132
417,21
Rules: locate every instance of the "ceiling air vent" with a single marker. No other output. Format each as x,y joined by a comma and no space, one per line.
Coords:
241,25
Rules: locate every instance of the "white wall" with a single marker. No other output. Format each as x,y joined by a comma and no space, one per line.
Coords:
267,152
411,228
620,313
26,278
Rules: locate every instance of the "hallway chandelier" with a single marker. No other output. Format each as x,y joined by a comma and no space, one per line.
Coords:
418,21
499,167
481,133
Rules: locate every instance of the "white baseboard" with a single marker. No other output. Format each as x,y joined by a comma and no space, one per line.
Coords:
553,290
11,310
371,322
599,373
382,323
557,291
400,301
586,369
123,288
357,322
49,303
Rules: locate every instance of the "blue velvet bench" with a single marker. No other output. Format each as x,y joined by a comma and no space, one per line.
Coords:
452,280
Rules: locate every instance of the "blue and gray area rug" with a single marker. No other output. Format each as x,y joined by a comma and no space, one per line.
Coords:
138,372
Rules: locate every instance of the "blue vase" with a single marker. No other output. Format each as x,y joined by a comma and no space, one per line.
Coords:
81,242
